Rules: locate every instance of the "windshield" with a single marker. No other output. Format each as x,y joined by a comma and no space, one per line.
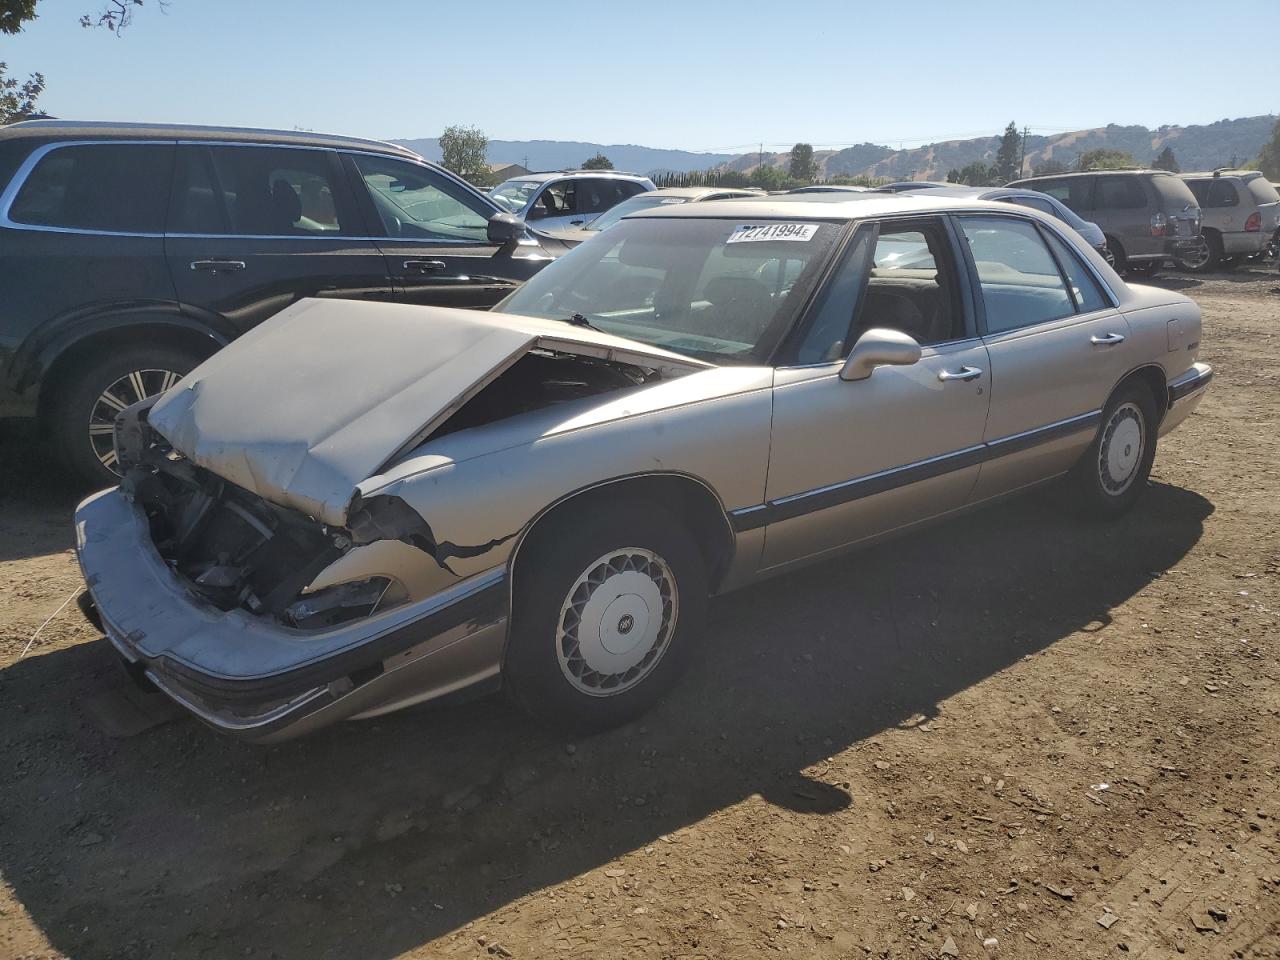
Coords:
718,290
641,202
514,194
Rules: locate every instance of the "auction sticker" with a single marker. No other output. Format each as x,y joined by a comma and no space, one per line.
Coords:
760,232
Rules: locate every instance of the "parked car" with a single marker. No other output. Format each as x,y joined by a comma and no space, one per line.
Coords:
906,186
670,196
1148,216
130,252
1240,212
567,198
830,188
360,506
1091,232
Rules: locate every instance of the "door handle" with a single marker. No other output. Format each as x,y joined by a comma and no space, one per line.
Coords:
217,265
964,373
424,266
1109,340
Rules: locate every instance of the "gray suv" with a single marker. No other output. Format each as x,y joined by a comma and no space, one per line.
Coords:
1241,212
1148,216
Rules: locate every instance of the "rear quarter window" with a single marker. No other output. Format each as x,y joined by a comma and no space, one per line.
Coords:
112,187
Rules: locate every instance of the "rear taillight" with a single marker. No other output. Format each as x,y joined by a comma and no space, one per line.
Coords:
1158,223
1254,223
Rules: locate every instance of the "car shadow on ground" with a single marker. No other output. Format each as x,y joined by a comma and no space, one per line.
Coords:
372,838
37,498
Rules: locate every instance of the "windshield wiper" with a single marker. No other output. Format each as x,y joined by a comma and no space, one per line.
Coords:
578,320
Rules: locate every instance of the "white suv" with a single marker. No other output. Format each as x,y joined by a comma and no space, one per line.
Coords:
1241,215
567,198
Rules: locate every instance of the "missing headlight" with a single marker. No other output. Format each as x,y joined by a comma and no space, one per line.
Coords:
343,603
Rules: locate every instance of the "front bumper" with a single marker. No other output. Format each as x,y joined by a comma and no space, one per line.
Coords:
264,682
1185,393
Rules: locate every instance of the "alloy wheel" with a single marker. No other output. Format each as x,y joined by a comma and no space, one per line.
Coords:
133,387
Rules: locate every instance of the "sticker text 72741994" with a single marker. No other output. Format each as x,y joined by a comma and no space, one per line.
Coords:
759,232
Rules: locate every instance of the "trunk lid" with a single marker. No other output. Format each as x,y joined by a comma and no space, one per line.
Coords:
325,393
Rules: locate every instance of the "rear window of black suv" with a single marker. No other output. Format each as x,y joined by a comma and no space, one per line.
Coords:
110,187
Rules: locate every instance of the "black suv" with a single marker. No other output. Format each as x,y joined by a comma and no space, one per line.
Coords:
130,252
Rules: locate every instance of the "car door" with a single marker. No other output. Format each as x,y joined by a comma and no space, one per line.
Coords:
434,234
1057,347
555,206
252,229
850,460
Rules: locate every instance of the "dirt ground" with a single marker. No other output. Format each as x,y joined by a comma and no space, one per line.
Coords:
1055,737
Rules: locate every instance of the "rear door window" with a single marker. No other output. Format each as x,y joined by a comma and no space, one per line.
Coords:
597,195
281,192
556,200
1120,193
112,187
1020,280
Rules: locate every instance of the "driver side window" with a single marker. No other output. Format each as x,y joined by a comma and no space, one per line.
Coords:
907,283
417,203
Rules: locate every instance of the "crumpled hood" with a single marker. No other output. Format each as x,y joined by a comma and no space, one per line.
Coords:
306,405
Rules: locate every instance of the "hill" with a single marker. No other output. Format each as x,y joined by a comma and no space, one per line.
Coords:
1197,147
562,154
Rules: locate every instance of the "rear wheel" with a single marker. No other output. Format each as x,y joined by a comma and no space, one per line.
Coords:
83,414
1203,257
1118,258
609,603
1111,474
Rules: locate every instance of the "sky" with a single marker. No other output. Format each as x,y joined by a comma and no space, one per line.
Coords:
720,77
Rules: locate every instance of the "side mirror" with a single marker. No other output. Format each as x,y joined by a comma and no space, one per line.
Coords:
504,227
879,346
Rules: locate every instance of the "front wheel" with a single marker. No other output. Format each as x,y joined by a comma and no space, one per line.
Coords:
608,604
1111,474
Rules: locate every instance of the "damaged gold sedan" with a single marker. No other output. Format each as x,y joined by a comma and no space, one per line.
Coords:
357,506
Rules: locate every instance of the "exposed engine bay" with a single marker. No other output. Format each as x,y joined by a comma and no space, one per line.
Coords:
237,550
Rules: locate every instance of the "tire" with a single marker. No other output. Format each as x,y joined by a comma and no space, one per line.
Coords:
84,408
1118,259
1208,260
593,575
1110,476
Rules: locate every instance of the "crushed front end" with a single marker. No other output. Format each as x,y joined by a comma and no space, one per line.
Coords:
266,623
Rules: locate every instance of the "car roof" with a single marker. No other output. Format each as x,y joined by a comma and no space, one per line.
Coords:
99,129
825,206
1219,174
568,174
694,193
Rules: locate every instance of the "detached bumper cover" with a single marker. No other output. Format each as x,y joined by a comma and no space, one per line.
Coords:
263,681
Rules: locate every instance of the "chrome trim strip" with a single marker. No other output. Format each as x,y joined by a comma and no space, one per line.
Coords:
24,170
809,501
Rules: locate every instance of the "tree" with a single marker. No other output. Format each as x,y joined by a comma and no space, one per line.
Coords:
768,177
1049,168
1269,159
1103,159
1165,160
802,165
115,15
953,175
18,98
462,150
976,174
598,162
1008,154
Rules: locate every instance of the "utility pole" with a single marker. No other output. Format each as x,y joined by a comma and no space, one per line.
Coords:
760,156
1022,158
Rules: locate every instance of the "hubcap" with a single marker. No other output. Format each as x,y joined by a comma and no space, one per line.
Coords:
616,621
1123,442
131,388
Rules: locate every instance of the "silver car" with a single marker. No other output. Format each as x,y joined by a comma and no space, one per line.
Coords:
1240,212
567,198
667,196
358,506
